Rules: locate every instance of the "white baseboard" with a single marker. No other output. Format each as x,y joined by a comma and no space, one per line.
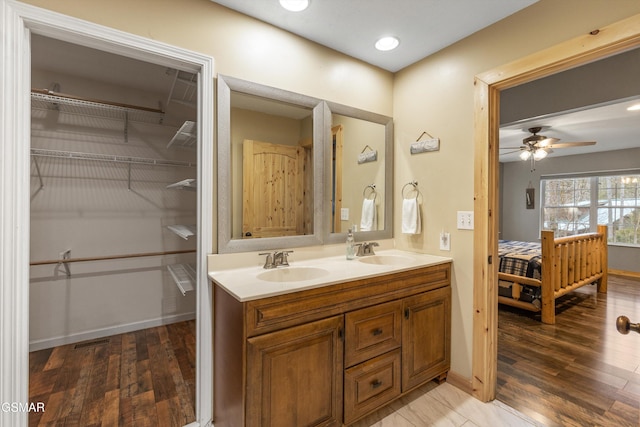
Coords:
106,332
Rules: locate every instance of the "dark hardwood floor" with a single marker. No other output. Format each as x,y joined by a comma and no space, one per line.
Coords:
142,378
580,371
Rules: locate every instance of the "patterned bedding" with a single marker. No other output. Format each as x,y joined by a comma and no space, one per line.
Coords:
522,259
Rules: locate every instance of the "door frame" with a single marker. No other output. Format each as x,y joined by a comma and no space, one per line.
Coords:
19,21
600,43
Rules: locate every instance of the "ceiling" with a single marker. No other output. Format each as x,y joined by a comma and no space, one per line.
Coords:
610,125
71,59
353,26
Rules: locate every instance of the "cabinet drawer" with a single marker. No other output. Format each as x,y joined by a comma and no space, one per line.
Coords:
372,331
371,384
296,308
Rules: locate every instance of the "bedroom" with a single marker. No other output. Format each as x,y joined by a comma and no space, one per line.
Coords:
599,115
585,318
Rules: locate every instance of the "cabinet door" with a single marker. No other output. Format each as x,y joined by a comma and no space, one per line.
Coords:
294,376
426,337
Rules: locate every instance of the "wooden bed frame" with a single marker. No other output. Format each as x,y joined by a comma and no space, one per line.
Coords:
567,264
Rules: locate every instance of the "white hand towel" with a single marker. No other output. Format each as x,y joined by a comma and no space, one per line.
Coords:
368,219
410,216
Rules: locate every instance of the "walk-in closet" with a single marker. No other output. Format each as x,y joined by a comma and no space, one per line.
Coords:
112,238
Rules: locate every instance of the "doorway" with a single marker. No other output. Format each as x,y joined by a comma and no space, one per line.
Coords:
111,166
615,38
20,22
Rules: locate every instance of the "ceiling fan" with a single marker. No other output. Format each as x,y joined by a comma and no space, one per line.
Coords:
537,147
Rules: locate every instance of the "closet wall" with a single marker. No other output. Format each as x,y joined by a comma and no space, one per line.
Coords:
110,199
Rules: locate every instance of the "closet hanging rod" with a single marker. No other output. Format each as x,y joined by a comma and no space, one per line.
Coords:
43,99
109,257
109,158
50,96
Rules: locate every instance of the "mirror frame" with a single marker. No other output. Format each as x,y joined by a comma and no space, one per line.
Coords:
321,120
387,122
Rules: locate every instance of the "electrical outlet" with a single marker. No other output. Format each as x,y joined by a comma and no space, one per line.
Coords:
465,220
445,241
344,214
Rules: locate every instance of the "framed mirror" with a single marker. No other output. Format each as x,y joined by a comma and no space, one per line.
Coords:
359,185
270,167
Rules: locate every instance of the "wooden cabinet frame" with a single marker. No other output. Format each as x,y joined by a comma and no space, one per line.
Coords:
257,339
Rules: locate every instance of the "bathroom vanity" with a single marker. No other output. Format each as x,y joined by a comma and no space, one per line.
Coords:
328,343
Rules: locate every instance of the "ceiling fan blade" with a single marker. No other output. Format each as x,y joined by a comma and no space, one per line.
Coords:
546,142
571,144
512,148
510,152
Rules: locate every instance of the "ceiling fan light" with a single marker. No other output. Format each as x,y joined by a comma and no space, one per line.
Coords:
525,155
294,5
634,107
539,154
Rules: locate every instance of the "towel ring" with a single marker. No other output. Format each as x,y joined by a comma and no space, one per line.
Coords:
373,191
414,184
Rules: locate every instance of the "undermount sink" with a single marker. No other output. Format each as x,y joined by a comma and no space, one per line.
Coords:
386,259
292,274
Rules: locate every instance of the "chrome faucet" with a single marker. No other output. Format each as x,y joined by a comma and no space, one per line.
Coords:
276,258
366,248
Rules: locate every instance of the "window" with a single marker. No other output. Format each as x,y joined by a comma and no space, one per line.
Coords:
577,204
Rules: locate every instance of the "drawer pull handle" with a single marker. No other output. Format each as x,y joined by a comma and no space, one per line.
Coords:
376,383
377,331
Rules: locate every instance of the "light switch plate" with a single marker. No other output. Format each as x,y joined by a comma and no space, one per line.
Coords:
344,214
465,220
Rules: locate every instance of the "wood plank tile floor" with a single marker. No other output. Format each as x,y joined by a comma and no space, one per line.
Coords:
580,371
445,406
142,378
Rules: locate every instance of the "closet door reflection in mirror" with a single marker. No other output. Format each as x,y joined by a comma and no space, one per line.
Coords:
272,156
268,167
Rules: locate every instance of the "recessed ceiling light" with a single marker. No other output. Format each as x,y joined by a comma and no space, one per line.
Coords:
387,43
635,107
294,5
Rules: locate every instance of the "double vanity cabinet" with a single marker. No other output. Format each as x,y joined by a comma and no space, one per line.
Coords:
329,355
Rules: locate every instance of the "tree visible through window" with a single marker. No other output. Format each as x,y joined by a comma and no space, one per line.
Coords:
575,205
619,207
566,206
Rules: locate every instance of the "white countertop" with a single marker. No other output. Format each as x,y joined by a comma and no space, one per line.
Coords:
244,283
